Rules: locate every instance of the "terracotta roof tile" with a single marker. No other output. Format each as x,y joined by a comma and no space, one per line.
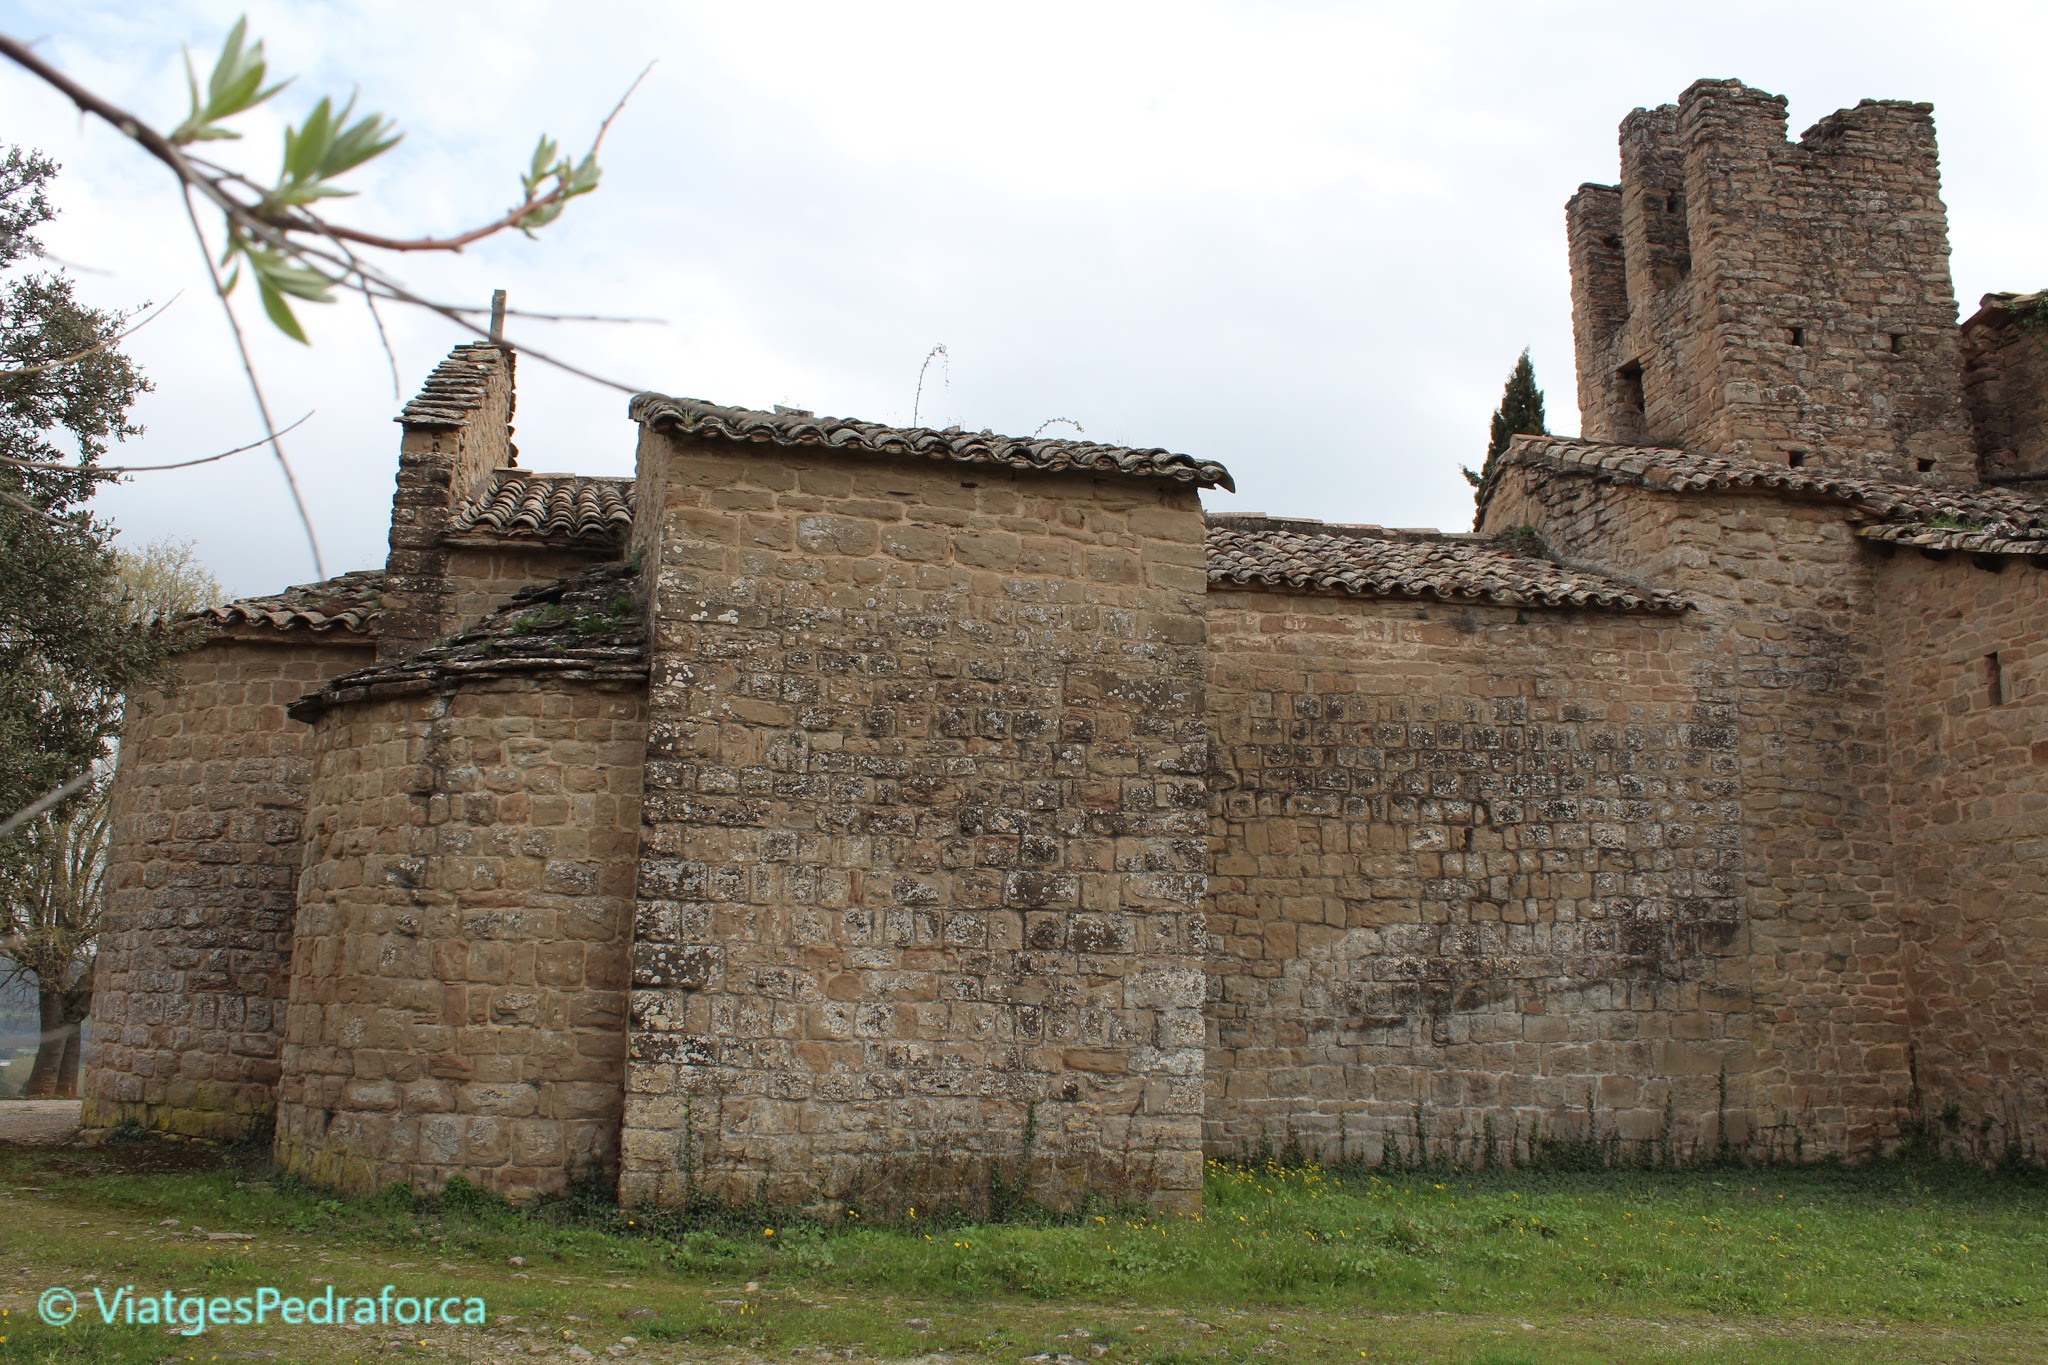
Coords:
795,428
352,602
586,628
551,506
1369,561
455,389
2006,521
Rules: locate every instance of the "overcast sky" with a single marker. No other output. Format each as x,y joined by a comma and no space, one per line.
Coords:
1306,240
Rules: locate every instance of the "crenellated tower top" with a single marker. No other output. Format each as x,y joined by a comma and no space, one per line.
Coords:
1787,302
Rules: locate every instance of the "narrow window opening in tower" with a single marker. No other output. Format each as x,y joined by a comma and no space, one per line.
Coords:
1611,242
1994,679
1634,409
1671,203
1798,336
1898,342
1796,458
1926,465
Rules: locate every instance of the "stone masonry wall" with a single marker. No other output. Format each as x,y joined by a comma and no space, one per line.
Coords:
2005,386
923,863
458,979
1788,610
1477,872
195,948
1966,656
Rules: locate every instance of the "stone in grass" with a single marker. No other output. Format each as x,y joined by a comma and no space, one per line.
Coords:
578,1353
918,1324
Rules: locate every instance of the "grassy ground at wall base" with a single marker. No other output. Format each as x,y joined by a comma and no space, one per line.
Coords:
1888,1263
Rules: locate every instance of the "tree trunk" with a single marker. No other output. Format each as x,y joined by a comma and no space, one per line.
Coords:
77,1006
55,1073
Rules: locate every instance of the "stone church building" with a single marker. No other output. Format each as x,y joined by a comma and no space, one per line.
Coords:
832,813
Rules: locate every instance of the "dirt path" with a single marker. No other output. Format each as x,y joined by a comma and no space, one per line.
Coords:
38,1123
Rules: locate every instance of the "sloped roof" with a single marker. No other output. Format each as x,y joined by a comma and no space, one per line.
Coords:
586,628
352,602
2004,521
796,428
1922,536
1369,561
455,389
550,506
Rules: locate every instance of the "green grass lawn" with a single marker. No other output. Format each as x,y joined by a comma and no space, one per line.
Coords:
1897,1262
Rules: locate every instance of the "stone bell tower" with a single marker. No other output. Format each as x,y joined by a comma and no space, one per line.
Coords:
1787,302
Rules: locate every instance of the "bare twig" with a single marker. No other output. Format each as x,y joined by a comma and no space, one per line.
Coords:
146,468
44,802
161,147
256,388
938,352
61,361
1055,421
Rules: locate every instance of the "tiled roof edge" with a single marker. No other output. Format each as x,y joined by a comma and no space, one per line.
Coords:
350,602
698,418
1996,511
1457,569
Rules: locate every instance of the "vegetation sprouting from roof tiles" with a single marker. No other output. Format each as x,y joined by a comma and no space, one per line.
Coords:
615,615
541,618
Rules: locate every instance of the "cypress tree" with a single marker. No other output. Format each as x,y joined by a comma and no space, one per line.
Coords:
1520,414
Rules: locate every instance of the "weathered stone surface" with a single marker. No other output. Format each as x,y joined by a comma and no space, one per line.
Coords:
1966,705
922,868
195,945
1474,870
457,1005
